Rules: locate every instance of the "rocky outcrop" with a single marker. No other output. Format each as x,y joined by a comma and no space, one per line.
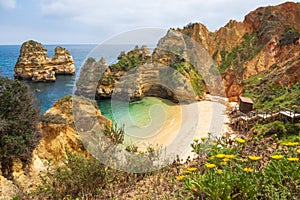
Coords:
33,63
267,38
59,135
135,76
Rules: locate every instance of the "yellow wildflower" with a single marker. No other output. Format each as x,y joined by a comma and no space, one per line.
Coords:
226,159
223,163
186,172
277,157
255,158
219,171
180,178
214,143
196,140
291,144
243,160
192,169
247,169
203,138
240,140
298,150
211,157
220,155
230,156
210,166
293,159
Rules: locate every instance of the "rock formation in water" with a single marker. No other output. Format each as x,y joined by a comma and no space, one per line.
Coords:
33,63
133,77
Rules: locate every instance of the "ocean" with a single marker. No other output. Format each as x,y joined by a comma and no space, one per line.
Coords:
50,92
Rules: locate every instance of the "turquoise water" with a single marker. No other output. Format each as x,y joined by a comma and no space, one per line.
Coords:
141,119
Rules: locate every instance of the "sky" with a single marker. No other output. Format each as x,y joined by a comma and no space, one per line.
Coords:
94,21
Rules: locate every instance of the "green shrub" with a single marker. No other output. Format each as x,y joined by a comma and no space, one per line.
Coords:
289,36
53,119
114,133
241,53
240,169
79,177
19,116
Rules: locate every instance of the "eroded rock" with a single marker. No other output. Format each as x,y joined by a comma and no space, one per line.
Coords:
34,64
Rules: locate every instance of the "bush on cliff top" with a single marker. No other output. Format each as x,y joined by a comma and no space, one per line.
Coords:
18,123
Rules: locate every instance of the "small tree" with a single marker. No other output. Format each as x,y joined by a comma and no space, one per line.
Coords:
18,123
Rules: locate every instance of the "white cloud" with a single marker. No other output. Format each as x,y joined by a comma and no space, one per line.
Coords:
8,4
119,15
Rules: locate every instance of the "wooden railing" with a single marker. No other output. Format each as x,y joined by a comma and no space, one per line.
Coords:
244,122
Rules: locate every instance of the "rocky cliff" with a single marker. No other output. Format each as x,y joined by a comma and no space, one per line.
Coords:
33,63
59,135
217,62
134,76
266,39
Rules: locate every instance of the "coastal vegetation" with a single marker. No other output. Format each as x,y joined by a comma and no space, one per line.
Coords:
260,163
268,95
243,52
19,115
254,168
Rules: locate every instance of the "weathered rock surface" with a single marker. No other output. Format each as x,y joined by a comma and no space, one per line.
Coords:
135,76
266,39
58,136
33,63
275,30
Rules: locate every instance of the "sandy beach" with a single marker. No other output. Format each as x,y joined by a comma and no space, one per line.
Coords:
187,122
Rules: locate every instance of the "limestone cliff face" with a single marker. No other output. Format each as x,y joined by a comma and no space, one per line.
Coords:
267,37
33,63
136,75
58,136
225,38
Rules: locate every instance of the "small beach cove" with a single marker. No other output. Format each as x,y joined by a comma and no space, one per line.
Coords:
159,122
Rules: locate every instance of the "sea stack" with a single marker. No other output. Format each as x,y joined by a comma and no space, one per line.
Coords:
34,64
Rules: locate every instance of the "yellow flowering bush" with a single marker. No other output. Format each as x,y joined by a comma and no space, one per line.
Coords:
180,178
247,169
240,140
230,156
254,158
277,157
293,159
220,155
192,169
210,166
232,172
291,144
